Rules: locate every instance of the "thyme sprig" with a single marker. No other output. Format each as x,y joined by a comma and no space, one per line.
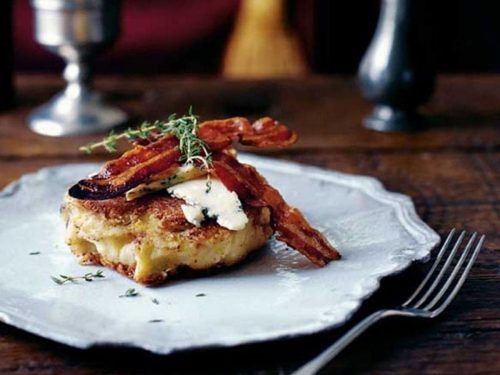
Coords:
62,279
184,128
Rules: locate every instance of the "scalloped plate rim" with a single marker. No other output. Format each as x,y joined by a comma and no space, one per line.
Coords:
369,185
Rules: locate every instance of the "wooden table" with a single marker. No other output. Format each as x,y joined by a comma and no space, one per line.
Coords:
450,170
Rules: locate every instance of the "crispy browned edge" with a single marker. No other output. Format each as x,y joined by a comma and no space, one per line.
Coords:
169,212
159,278
96,258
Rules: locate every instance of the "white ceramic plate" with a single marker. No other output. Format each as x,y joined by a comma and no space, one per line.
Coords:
275,294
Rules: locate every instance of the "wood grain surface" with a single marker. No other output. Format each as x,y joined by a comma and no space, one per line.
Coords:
451,170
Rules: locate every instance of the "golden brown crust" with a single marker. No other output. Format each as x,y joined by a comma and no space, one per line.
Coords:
163,241
167,209
164,207
98,259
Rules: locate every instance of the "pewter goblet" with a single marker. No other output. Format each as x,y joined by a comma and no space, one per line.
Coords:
76,30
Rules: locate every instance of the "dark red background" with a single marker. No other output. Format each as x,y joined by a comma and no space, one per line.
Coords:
188,36
156,35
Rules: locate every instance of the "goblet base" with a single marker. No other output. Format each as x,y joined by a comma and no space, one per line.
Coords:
388,119
66,115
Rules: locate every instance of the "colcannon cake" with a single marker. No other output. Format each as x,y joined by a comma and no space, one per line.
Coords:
149,239
180,200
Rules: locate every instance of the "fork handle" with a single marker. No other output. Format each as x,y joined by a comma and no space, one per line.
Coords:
317,363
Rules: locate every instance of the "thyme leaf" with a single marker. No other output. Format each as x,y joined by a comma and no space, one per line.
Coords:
63,279
208,185
131,292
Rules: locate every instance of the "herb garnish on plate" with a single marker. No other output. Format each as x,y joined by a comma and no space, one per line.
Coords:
62,279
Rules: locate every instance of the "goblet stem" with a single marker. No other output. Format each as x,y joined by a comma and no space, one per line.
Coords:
77,109
78,78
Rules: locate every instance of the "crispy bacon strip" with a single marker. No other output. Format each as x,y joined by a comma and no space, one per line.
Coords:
220,134
290,225
159,159
141,164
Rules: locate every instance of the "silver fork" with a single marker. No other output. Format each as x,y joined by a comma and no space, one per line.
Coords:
429,300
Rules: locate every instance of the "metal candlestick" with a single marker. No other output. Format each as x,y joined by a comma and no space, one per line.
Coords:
76,30
394,72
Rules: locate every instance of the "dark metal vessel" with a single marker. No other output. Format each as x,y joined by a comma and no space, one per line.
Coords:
395,73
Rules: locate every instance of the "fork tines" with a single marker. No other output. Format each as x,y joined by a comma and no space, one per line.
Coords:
446,275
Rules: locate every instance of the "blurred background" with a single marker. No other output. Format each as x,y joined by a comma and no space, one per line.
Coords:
312,36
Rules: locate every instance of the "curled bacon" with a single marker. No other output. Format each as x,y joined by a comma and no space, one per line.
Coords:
220,134
288,222
158,159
